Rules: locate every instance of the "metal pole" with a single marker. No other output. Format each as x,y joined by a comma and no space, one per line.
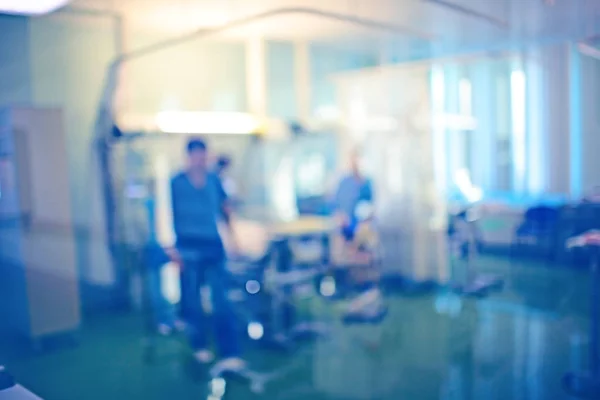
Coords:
471,13
471,249
365,22
111,77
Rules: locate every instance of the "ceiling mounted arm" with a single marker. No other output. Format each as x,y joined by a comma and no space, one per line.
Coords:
350,19
470,13
111,80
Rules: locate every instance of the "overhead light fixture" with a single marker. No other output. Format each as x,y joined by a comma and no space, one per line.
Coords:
195,122
30,7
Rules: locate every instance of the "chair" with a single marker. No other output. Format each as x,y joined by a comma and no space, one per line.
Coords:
537,234
575,221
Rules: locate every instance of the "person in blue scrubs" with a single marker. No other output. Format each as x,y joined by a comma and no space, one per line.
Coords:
352,189
199,202
222,169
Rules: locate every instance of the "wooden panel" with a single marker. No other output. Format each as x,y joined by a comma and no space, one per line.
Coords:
41,134
47,238
53,302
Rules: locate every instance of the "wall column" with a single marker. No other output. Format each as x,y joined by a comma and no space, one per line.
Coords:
536,150
483,138
256,74
575,125
302,80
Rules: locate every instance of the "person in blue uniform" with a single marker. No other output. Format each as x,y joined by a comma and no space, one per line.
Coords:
352,189
199,202
223,169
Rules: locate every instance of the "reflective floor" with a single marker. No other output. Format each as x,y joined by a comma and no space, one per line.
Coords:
515,344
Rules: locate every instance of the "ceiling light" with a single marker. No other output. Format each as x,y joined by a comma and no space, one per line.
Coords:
30,7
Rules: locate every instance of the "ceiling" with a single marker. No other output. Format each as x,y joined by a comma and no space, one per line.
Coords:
413,27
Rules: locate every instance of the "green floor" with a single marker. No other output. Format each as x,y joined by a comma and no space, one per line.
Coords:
513,345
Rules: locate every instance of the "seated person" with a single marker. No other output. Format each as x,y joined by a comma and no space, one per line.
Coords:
355,243
222,170
352,189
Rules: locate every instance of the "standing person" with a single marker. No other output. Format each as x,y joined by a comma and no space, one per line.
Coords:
353,189
222,169
198,202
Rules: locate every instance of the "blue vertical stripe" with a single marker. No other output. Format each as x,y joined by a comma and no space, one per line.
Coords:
151,214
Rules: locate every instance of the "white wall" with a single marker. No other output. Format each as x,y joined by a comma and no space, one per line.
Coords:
195,75
69,57
554,62
590,112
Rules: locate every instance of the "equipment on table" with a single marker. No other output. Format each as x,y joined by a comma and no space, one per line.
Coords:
473,283
267,287
287,276
575,221
587,384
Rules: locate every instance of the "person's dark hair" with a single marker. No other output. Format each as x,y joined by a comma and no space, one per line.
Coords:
195,144
223,162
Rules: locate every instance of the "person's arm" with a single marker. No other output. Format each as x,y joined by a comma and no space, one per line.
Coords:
225,206
174,205
172,251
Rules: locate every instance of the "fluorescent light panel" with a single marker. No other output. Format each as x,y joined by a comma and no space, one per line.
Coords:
30,7
192,122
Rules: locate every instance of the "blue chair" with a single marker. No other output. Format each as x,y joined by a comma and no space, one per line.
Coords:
538,233
575,221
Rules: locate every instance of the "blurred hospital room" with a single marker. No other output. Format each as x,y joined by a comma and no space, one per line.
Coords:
292,199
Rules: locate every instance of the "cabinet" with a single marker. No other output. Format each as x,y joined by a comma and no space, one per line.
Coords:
39,293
